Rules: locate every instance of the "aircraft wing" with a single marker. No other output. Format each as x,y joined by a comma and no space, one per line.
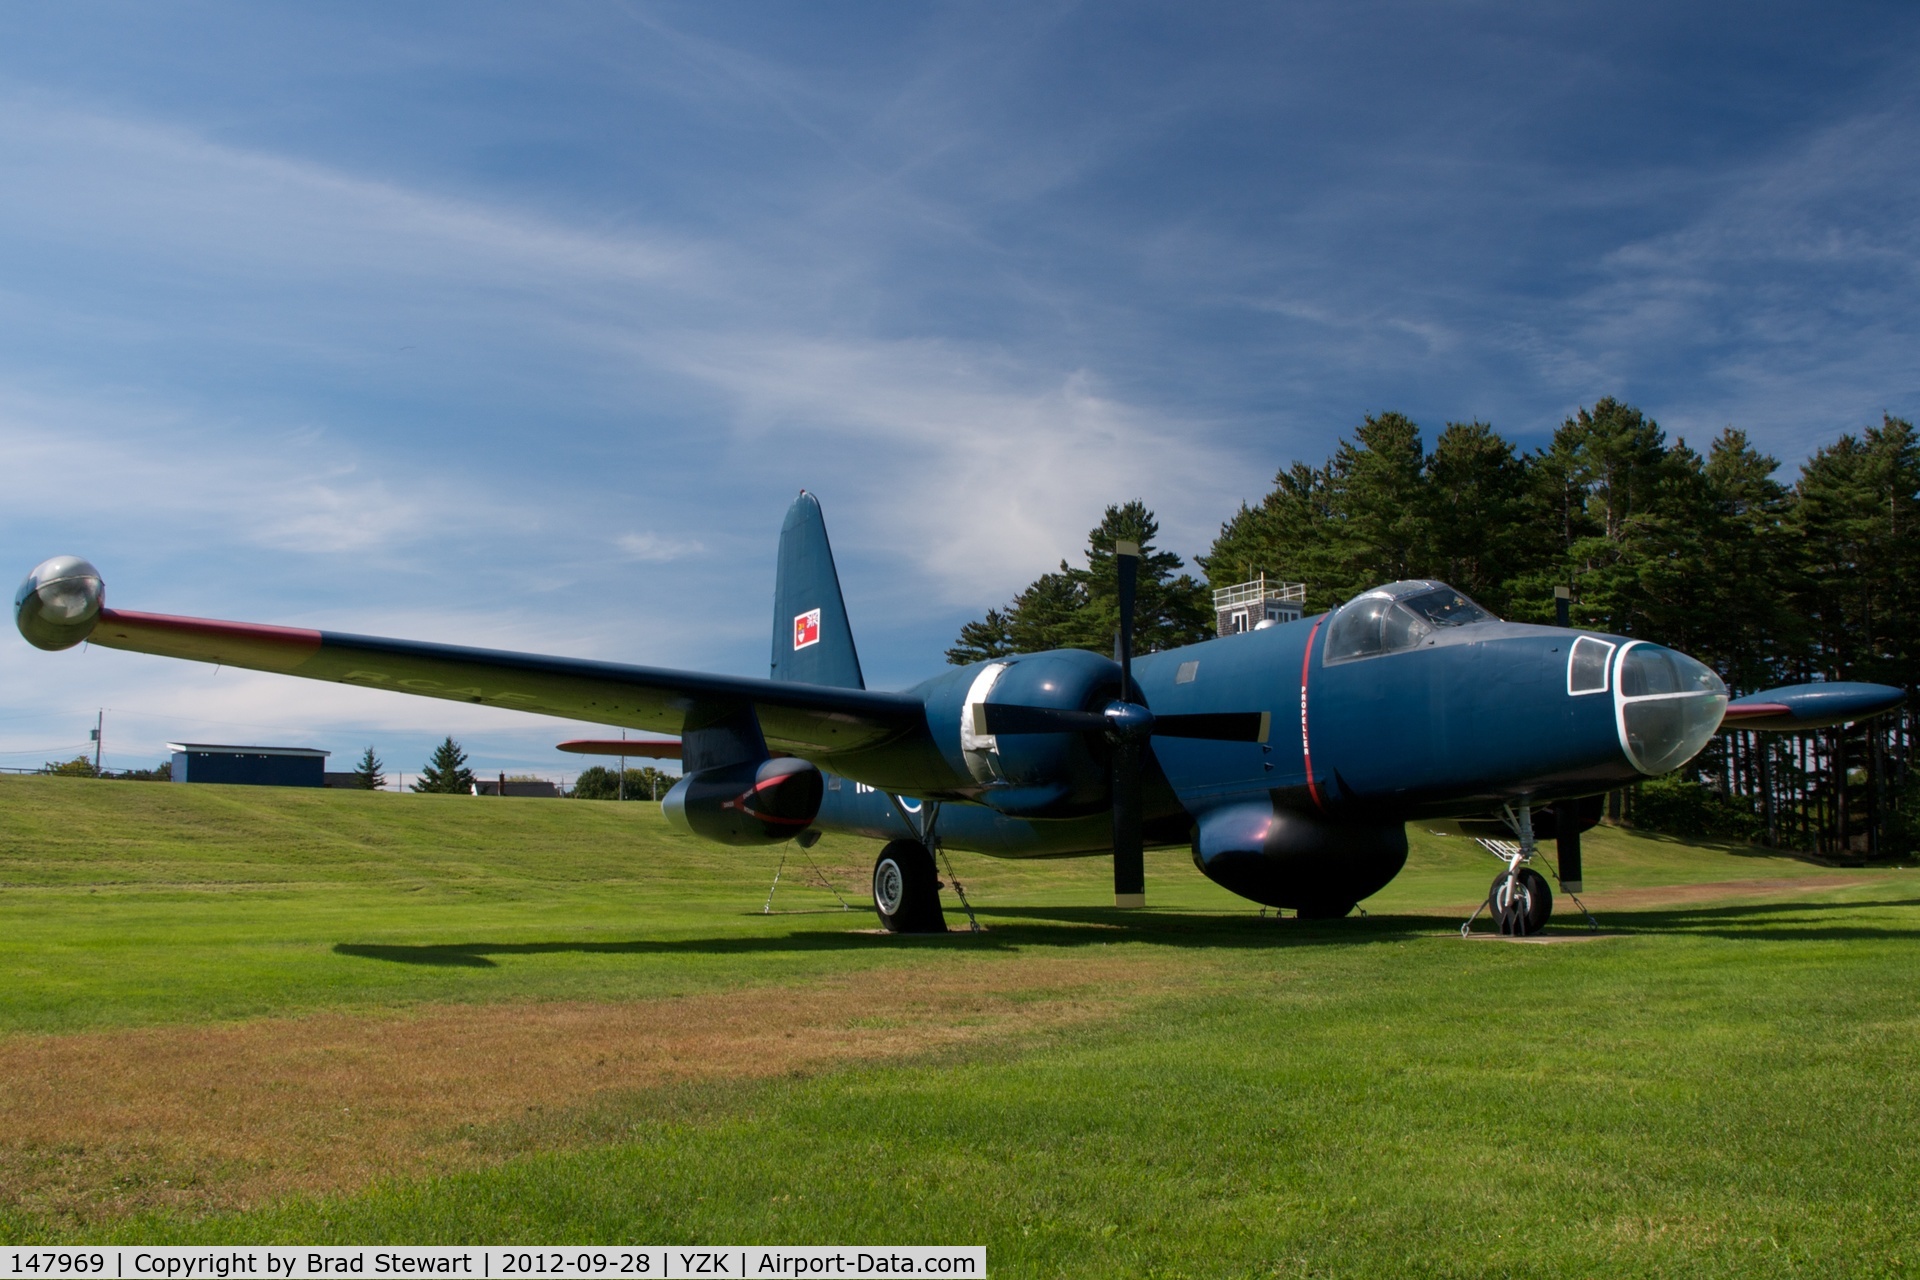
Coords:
1812,706
804,719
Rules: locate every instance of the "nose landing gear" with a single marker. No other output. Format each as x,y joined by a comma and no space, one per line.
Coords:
1519,900
1522,904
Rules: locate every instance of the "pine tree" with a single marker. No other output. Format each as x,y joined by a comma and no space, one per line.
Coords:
367,774
1611,469
983,638
1385,527
1479,533
1078,609
447,771
1858,513
1170,608
1289,537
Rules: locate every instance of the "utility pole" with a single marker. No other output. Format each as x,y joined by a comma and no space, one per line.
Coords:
99,723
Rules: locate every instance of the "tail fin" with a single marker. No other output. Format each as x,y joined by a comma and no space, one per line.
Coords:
812,641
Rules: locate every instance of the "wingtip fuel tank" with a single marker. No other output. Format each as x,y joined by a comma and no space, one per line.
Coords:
57,605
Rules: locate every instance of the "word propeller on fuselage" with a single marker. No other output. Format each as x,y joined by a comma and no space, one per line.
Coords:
1126,724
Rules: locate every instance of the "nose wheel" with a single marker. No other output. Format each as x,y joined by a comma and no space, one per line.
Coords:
1521,902
1519,899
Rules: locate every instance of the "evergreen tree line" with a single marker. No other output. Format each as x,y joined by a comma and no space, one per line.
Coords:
1768,582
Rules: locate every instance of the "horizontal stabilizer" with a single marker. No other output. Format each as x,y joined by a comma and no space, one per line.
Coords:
1811,706
650,748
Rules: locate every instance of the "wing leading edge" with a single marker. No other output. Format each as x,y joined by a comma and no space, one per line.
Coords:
807,720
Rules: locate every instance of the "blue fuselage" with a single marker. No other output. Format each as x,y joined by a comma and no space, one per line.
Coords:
1468,719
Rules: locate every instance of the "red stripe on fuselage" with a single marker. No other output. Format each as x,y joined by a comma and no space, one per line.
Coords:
1306,750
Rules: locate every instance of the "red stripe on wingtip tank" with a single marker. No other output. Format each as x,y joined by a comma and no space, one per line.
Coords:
1747,711
1306,751
239,644
652,748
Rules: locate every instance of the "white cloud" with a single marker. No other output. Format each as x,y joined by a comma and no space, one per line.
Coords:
653,548
980,470
1786,299
143,183
147,467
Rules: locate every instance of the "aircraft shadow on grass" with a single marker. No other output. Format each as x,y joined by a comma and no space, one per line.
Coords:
1096,926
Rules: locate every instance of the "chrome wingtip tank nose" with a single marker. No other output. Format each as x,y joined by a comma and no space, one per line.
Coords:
56,607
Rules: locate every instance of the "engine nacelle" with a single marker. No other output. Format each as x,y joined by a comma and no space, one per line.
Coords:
1285,859
753,803
1042,775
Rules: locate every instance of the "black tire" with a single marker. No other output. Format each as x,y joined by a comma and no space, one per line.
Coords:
1539,900
1522,902
906,889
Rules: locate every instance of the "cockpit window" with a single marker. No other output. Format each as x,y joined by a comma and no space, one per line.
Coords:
1587,666
1371,626
1445,607
1395,617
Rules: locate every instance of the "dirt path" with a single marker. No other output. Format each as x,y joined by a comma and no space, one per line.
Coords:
205,1117
1682,895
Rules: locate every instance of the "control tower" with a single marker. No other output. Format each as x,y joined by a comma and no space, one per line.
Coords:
1251,605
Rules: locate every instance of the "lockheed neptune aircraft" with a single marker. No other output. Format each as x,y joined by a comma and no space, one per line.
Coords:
1288,758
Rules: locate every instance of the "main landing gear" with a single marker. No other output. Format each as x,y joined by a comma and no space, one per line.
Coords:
906,880
906,889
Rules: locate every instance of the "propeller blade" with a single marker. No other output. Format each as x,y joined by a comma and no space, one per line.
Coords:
1002,717
1129,841
1216,726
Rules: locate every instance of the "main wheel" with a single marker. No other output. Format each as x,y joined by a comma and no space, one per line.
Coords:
906,889
1522,902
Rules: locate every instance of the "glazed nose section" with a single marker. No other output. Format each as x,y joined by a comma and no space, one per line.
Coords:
56,607
1668,706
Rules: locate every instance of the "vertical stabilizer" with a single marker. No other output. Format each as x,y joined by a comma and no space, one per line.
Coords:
812,642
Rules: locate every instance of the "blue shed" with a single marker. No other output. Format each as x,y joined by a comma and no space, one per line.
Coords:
249,766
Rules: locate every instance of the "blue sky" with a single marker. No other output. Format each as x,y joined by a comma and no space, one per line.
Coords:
520,325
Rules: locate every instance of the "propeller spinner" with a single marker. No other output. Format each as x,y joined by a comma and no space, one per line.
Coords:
1127,726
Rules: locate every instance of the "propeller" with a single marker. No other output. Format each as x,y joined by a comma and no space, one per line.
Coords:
1127,726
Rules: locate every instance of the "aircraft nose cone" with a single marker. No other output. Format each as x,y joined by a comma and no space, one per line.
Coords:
57,605
1670,707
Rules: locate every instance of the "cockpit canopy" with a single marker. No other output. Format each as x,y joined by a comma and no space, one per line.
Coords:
1397,616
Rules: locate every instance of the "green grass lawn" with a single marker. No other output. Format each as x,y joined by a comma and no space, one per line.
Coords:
1725,1085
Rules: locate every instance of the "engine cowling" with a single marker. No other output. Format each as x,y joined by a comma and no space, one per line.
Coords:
747,804
1042,775
1286,859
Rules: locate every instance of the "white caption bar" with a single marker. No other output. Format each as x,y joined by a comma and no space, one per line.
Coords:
285,1262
